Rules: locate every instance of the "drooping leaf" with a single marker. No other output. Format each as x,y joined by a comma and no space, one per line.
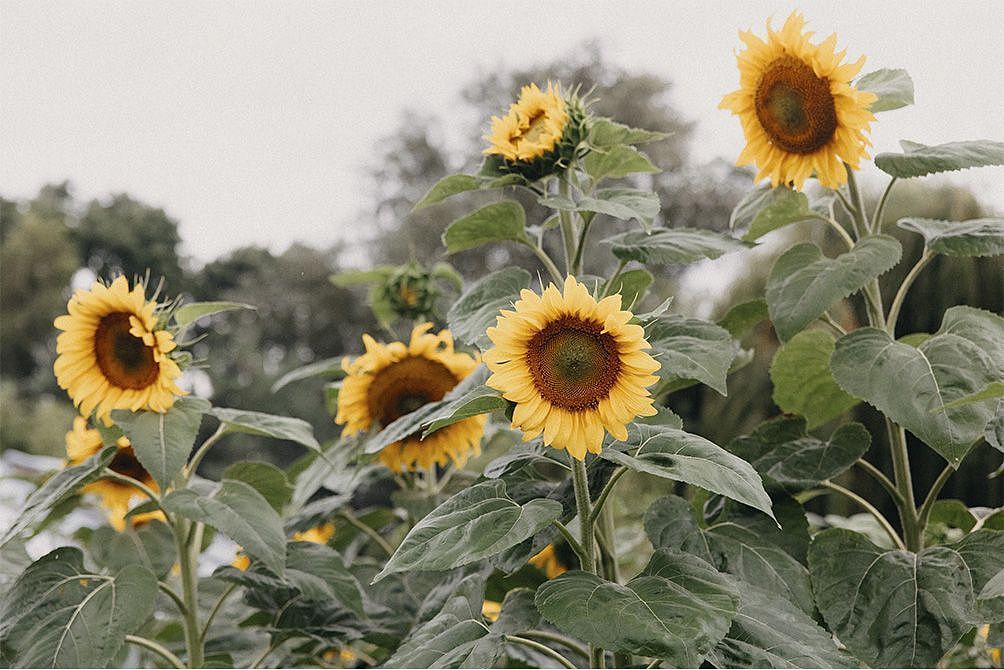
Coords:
624,204
477,523
151,545
446,187
893,87
803,383
974,237
606,133
265,478
765,209
329,367
618,161
478,306
267,425
162,441
497,222
803,283
691,349
193,311
673,245
677,609
918,160
477,401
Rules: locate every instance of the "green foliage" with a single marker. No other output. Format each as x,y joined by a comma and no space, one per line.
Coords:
497,222
976,237
765,209
193,311
803,383
672,245
918,160
691,349
893,87
267,425
479,305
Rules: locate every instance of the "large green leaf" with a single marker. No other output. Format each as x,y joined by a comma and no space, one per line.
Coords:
973,237
891,608
674,454
241,513
803,383
624,204
497,222
893,87
631,286
57,488
803,283
151,545
673,245
477,523
267,425
677,609
446,187
918,160
265,478
911,385
478,306
744,317
765,209
477,401
617,161
981,327
194,311
691,349
604,133
983,552
317,571
162,441
60,615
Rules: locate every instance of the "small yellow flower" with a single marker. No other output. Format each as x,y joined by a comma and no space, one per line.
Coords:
573,366
799,112
532,127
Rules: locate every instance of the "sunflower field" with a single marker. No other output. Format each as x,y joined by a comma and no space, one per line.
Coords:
513,483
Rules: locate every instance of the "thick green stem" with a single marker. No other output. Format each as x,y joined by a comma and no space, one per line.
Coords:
912,532
193,465
568,233
188,552
880,209
868,507
848,240
173,596
587,539
559,639
157,648
601,499
904,288
932,496
857,204
880,477
581,245
570,539
543,649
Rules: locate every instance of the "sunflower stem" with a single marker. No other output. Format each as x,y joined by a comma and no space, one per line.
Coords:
567,223
135,483
546,261
188,561
876,226
912,533
559,639
932,496
541,648
897,302
167,590
880,477
580,482
581,245
157,648
605,493
193,465
610,282
216,610
570,539
371,533
868,507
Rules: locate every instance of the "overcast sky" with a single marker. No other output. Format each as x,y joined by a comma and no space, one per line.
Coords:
251,122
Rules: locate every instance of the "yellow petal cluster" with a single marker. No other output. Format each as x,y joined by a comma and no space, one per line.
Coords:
532,127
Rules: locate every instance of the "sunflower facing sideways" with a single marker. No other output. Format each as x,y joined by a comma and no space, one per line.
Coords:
391,380
113,354
573,366
799,112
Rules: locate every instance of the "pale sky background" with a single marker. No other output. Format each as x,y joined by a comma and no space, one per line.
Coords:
251,122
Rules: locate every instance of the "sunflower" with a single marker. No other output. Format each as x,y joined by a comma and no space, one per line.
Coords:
532,127
82,443
798,110
391,380
318,534
112,355
548,562
573,366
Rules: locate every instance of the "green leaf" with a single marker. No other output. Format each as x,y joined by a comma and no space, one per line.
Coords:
894,88
446,187
606,133
59,615
981,327
162,441
803,283
674,454
265,478
241,513
803,383
910,384
57,488
151,545
317,572
765,209
348,278
329,367
267,425
477,308
497,222
193,311
891,608
477,401
691,349
983,552
973,237
618,161
742,318
673,245
477,523
624,204
677,609
989,392
631,286
918,160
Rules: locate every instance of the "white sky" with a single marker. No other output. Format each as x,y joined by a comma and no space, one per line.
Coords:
251,122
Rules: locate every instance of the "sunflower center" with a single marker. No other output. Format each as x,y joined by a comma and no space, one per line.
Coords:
126,463
795,107
123,358
536,127
573,363
404,386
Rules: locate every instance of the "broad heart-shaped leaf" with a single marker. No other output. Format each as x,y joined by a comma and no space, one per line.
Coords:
673,245
918,160
477,401
606,133
194,311
318,572
477,523
910,385
162,441
267,479
241,513
674,454
329,367
267,425
803,283
891,608
497,222
803,383
973,237
477,308
983,552
989,392
893,87
618,161
57,488
765,209
624,204
446,187
60,615
691,349
151,545
677,609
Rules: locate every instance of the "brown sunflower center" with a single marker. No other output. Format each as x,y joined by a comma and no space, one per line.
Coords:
573,363
126,463
795,107
123,358
404,386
